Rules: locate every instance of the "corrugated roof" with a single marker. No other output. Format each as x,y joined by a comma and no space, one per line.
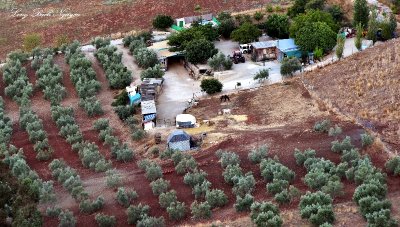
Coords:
207,17
148,107
264,44
177,136
162,49
285,45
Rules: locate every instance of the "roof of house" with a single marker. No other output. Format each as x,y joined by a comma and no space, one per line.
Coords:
162,49
148,107
264,44
207,17
286,45
178,136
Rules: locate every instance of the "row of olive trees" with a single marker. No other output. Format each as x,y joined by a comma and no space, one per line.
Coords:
69,179
69,129
161,187
17,82
84,79
50,81
5,126
119,151
117,74
31,123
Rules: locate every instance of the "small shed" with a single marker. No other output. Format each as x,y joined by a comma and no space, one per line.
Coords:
186,22
265,50
185,121
179,140
149,114
287,48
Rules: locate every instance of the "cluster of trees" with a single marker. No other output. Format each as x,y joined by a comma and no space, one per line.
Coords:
139,215
33,125
114,179
317,208
33,185
279,177
119,151
84,79
105,220
220,62
117,74
50,81
162,21
124,197
69,129
39,55
167,198
265,214
243,184
16,81
5,126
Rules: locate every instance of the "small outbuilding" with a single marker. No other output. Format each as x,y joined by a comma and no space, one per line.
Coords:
287,48
179,140
265,50
185,121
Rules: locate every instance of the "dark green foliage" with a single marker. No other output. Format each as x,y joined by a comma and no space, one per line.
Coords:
159,186
393,165
146,58
246,33
165,199
301,157
256,155
162,21
277,186
282,197
361,13
365,171
370,204
124,112
211,86
200,210
176,210
243,203
105,220
336,12
277,25
99,42
195,177
339,147
228,158
244,184
265,214
121,99
124,197
137,213
180,39
290,66
230,172
91,105
152,72
271,169
371,188
219,62
136,45
367,140
199,51
350,156
216,198
297,8
200,190
309,18
313,35
315,4
317,208
147,221
226,27
261,75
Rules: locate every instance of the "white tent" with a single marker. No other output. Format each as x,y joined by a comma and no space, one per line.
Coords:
185,121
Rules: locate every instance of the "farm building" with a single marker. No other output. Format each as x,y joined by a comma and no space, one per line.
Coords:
179,140
149,114
186,22
185,121
265,50
163,53
133,94
287,48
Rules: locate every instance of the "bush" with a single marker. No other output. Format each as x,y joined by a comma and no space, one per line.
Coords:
283,197
229,158
66,219
162,21
256,155
146,58
335,131
216,198
342,146
159,186
185,165
122,99
91,105
138,134
265,214
381,218
31,41
165,199
176,210
277,186
152,72
350,156
153,172
124,112
262,75
244,185
200,210
199,51
88,207
370,204
271,169
136,45
333,188
53,211
232,172
195,177
366,140
393,165
243,203
114,179
101,124
124,197
200,190
372,188
99,42
322,126
317,208
147,221
17,55
290,66
105,220
302,157
137,213
219,62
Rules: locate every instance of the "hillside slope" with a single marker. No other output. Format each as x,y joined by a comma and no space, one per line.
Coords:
365,86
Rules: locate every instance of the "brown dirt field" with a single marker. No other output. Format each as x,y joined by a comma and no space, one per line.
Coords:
98,19
365,87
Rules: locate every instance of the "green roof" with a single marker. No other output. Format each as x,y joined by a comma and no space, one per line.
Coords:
177,28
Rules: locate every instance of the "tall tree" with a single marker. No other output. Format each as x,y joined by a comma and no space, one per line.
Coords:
361,12
373,26
313,35
357,40
340,46
246,33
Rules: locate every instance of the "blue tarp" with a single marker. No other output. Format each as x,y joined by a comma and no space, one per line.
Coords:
134,98
287,45
149,117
